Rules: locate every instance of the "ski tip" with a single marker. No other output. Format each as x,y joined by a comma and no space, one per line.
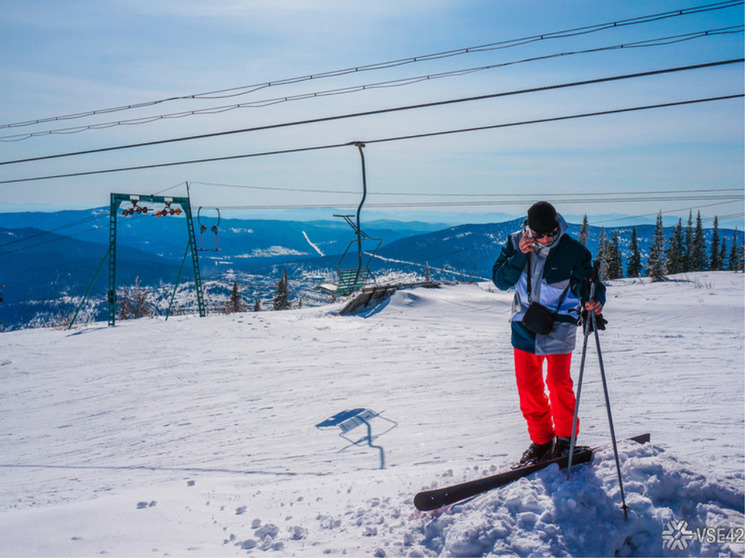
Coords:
423,502
642,439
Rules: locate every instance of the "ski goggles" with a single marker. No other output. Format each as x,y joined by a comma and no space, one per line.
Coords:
552,235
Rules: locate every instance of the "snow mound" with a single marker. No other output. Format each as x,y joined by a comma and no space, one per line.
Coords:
547,515
459,298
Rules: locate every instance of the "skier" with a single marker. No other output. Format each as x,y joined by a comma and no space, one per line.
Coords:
548,269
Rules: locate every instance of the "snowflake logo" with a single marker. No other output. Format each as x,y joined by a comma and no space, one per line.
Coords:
677,535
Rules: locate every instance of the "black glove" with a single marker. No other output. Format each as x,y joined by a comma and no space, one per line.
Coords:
601,322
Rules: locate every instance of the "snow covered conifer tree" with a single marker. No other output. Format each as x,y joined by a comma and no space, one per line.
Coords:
723,253
716,262
235,302
583,237
735,258
733,254
618,255
602,254
699,249
689,248
613,258
674,254
656,259
634,266
282,295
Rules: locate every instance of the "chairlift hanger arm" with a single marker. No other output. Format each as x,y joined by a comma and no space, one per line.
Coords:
199,216
203,230
352,279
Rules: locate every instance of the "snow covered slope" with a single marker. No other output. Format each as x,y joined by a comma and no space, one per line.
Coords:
197,437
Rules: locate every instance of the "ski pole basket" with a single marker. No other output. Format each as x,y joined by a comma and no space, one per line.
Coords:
348,420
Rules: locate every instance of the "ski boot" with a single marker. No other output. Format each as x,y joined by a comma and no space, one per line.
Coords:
536,453
561,447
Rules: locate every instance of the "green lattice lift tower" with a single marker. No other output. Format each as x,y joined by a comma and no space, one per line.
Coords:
172,205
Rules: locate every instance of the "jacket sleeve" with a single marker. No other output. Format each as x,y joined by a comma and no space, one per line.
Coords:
580,280
509,265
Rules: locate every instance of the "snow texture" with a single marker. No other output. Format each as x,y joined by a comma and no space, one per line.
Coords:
196,437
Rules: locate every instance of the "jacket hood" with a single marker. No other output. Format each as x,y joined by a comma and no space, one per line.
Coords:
563,227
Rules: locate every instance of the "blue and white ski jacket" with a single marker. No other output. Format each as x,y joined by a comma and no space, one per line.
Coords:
563,262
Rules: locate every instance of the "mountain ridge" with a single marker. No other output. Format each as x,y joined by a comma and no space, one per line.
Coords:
49,262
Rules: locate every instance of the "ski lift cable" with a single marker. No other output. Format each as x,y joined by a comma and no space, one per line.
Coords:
558,197
380,140
690,208
74,223
523,202
474,260
464,194
54,240
660,41
729,198
378,112
58,228
243,90
490,256
69,235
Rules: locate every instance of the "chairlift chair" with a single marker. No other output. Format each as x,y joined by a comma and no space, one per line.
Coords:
350,279
203,230
353,279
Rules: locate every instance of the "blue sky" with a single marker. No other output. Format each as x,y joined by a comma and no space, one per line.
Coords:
64,58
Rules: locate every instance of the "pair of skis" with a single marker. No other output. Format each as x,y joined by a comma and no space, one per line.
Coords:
436,498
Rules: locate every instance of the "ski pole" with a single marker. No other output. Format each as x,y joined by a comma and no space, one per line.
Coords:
586,333
608,411
573,437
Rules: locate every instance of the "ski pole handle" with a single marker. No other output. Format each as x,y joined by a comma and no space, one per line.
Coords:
593,280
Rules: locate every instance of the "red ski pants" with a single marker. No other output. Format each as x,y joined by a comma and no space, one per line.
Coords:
546,416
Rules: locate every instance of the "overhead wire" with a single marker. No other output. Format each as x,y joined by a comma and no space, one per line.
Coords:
67,236
246,89
67,225
631,196
485,257
378,85
380,140
53,229
674,212
483,203
729,199
558,198
377,112
456,195
53,240
177,185
42,243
